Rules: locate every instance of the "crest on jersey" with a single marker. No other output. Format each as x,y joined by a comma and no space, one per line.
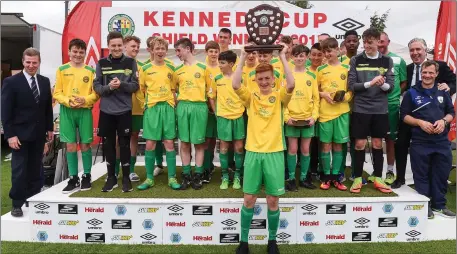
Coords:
128,72
272,99
308,82
343,77
440,99
197,75
86,79
169,75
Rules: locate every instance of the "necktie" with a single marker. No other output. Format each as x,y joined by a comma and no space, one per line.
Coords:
417,74
35,92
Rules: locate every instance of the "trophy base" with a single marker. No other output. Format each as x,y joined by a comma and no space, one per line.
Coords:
263,48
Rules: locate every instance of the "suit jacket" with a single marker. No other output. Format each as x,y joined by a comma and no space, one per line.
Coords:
21,115
445,75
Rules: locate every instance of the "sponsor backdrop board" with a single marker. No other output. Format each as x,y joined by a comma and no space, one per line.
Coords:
218,223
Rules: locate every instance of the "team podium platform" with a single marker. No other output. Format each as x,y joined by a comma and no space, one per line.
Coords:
59,218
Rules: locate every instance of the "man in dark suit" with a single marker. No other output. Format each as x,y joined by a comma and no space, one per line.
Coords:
445,81
27,122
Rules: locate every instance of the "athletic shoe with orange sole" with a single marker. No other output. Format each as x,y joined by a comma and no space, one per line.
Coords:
325,185
339,186
380,185
356,185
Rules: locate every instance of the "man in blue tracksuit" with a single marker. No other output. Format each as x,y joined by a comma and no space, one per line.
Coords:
429,111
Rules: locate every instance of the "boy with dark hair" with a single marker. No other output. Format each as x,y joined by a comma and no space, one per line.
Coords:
287,40
371,78
115,82
230,122
192,79
304,106
73,90
333,113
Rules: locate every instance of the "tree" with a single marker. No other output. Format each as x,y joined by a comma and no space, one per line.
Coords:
301,4
379,22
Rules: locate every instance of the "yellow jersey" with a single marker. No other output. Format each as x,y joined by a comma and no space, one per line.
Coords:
75,81
213,71
137,104
192,82
277,65
265,133
305,99
158,84
252,85
344,60
331,79
228,104
247,70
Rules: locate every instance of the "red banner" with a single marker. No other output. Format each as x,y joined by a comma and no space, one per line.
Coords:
445,43
83,22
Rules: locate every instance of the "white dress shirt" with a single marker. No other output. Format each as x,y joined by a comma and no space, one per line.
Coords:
413,80
29,79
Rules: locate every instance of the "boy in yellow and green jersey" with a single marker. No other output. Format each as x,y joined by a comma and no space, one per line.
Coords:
159,146
265,145
333,113
304,106
265,58
157,82
193,82
131,49
212,53
277,65
230,122
73,90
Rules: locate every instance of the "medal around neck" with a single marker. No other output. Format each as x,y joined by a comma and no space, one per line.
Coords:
264,25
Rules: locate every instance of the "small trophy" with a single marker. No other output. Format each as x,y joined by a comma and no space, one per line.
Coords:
264,24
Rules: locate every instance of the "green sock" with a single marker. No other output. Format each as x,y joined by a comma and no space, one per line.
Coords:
186,169
273,223
239,159
224,164
159,153
132,163
304,166
337,160
87,161
207,159
321,168
149,157
246,218
72,159
199,169
325,161
171,163
345,153
291,165
117,166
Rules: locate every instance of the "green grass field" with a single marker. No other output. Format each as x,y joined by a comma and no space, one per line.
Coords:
212,190
448,246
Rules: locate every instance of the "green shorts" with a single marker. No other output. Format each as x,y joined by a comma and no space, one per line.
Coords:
230,129
394,117
298,132
211,126
267,168
336,130
192,120
137,123
159,122
72,118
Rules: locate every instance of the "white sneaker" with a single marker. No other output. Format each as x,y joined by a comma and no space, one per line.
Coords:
158,171
134,177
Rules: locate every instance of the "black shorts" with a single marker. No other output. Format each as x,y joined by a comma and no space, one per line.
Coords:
109,124
365,125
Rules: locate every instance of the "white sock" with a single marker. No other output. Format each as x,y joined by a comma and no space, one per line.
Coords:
390,168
